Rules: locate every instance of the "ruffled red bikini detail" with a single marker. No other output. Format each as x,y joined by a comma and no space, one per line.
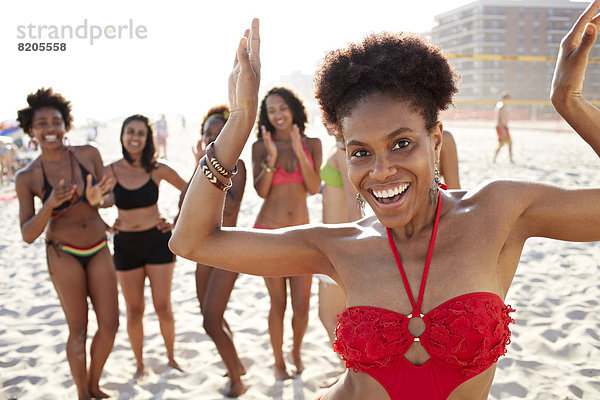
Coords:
463,336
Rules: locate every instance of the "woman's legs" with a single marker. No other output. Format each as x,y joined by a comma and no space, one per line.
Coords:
203,273
132,286
69,279
161,277
300,292
217,295
102,284
203,276
278,295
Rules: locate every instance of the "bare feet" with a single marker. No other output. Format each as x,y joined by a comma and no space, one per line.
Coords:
98,394
173,364
236,389
297,361
242,371
139,372
281,374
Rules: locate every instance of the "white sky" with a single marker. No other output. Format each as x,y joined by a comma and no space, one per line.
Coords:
183,64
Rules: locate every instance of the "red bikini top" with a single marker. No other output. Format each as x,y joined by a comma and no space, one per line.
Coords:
463,337
281,176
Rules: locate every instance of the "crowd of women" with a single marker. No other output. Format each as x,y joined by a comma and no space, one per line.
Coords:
412,296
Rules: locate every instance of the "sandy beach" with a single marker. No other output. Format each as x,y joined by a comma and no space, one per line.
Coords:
555,349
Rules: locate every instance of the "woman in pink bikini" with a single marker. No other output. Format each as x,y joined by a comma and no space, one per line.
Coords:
425,278
286,167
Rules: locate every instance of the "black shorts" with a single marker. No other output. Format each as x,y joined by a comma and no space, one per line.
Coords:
136,249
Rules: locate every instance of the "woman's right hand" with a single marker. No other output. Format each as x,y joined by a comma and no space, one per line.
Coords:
60,193
244,80
269,144
199,151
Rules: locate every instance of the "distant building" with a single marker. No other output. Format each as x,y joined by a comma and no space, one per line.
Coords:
510,28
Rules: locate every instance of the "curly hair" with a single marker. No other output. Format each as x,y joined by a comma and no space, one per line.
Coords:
294,103
149,155
40,99
221,112
401,65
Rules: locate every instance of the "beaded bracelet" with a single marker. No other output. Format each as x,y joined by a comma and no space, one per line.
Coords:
265,167
210,154
212,178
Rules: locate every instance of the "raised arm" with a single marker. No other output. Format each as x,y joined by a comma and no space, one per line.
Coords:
558,213
199,236
569,74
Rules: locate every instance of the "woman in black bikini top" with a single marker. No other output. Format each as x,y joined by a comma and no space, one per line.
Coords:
79,262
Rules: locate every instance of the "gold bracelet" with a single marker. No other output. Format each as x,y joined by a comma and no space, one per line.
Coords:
210,154
265,167
211,177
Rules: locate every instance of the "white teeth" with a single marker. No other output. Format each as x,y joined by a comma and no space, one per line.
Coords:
50,138
390,192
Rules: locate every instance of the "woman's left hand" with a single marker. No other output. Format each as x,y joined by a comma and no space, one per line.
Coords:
296,139
165,225
244,80
98,192
567,83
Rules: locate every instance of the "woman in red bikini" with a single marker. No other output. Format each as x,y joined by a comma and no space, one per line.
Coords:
425,278
79,263
286,167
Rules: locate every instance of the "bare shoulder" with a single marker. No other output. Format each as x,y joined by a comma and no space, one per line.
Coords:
501,194
258,149
163,169
313,142
85,151
25,174
447,137
258,144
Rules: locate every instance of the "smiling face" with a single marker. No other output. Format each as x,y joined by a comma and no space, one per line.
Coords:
279,113
48,127
134,137
391,157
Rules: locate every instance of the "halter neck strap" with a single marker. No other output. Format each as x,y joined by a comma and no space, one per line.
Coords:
417,307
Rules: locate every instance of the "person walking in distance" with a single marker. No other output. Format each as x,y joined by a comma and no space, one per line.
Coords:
502,126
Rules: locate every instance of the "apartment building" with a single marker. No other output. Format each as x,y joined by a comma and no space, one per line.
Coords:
523,30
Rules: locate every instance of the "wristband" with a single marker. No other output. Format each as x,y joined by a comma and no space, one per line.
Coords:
265,167
211,177
210,156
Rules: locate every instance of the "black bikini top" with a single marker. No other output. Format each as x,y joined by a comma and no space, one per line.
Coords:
144,196
66,205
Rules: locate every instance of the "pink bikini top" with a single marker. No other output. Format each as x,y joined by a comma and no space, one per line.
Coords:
281,176
463,337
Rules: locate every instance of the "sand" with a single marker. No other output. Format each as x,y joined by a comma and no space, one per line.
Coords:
554,354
